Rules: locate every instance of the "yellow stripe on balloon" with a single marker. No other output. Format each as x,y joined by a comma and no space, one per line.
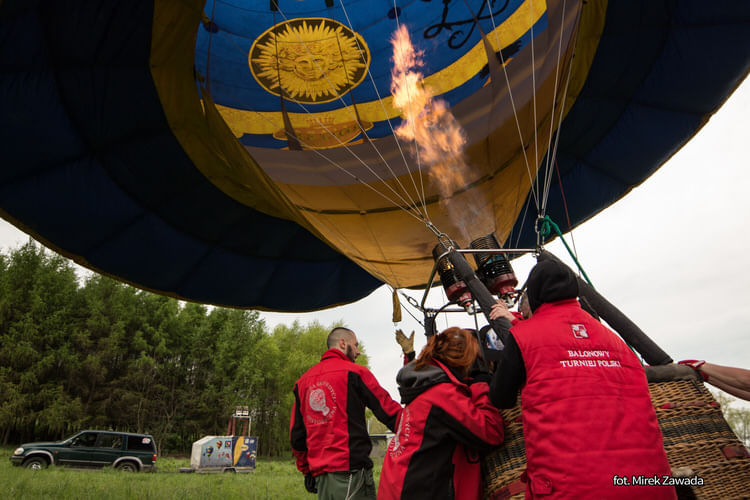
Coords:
267,122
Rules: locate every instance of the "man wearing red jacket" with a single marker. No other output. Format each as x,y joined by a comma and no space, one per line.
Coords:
588,422
328,429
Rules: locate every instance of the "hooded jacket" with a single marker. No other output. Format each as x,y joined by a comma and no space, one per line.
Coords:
441,430
586,410
328,429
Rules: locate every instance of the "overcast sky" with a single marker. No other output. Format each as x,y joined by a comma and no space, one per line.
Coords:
674,255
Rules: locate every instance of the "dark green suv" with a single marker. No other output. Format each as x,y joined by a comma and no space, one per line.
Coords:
122,450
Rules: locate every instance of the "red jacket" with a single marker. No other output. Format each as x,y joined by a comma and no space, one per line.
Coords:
328,429
587,414
444,424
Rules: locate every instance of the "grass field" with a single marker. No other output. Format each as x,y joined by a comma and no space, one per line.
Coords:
271,479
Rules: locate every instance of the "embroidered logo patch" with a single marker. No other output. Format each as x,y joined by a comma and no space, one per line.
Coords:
396,446
318,401
322,402
579,331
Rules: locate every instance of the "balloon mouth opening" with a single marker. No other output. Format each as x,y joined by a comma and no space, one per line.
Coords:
494,270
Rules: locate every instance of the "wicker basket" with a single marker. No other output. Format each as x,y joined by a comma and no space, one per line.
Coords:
698,453
690,424
724,480
696,437
679,392
504,466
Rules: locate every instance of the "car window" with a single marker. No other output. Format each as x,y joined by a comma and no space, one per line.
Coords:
140,443
85,439
113,441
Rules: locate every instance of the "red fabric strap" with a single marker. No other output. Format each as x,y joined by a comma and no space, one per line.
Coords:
512,489
735,451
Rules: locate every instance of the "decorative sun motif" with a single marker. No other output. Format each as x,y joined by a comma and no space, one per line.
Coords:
309,60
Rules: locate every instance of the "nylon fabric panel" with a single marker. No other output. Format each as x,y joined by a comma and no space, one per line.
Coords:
110,85
371,230
602,188
201,132
686,59
58,221
27,75
112,189
630,144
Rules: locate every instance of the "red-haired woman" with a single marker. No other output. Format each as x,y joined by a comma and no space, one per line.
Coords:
447,420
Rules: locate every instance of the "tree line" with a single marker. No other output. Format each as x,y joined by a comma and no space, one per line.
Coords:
95,353
738,418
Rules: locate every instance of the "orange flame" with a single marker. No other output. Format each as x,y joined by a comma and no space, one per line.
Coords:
428,122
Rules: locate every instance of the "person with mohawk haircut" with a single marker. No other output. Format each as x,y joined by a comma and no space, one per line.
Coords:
328,430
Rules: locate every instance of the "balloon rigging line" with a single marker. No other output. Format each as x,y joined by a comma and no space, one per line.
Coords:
347,242
406,207
416,144
523,220
406,202
560,117
533,96
554,99
413,204
324,222
398,143
410,314
515,112
410,202
567,215
351,112
409,208
552,155
335,164
423,198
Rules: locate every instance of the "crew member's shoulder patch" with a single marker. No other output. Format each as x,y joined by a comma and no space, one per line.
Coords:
579,331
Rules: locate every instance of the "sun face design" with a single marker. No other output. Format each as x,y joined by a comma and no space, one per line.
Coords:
309,60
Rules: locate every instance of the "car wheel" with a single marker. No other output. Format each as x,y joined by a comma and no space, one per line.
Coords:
127,467
35,463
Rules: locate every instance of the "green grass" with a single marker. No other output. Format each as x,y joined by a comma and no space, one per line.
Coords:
274,478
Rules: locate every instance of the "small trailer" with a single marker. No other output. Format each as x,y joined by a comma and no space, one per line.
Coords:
229,453
214,454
